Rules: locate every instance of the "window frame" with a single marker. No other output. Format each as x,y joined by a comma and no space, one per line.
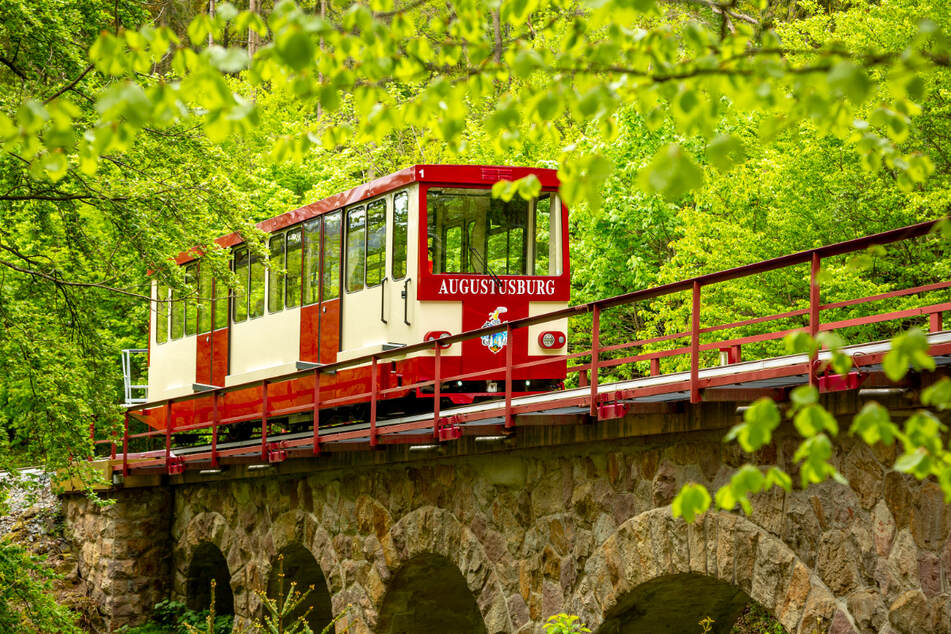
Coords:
406,238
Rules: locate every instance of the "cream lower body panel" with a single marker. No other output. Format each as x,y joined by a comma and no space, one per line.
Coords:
172,368
265,346
559,325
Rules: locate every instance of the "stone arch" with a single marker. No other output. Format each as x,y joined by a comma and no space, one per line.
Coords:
429,594
295,564
429,532
204,533
725,548
207,568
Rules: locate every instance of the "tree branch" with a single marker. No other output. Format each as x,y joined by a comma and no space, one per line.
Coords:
69,86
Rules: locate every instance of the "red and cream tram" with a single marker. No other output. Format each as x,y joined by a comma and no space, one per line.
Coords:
413,256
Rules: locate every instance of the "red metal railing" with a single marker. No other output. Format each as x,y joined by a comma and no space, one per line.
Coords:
593,396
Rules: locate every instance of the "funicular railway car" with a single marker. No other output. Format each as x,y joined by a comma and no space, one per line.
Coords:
416,255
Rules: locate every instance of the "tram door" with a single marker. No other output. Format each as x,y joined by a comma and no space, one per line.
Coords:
211,365
320,316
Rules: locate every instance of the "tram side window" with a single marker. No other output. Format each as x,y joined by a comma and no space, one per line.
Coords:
240,312
376,242
311,260
331,280
161,313
356,248
256,289
177,309
293,265
220,310
191,300
543,235
400,233
275,288
204,297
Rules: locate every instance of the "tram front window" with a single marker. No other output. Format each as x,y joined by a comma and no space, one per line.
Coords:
471,232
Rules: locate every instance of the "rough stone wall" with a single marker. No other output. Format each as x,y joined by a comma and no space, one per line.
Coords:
577,528
123,552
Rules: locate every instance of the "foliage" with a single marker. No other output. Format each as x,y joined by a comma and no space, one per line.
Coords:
564,624
922,454
26,604
173,617
757,620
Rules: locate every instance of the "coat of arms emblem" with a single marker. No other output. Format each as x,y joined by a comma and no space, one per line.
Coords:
497,341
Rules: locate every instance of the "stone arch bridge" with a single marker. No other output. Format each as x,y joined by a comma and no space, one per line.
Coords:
568,516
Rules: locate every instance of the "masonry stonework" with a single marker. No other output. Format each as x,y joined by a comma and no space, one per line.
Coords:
546,525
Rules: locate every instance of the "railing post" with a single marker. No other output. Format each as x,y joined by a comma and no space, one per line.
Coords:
168,432
934,322
595,358
215,417
373,388
695,345
509,344
814,310
125,446
655,366
264,410
437,388
316,411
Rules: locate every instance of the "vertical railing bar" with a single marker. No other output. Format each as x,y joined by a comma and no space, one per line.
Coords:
316,411
595,357
373,389
215,417
695,345
935,322
814,311
437,388
264,421
509,345
125,446
168,432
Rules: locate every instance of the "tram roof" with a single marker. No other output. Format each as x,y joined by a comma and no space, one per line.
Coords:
440,174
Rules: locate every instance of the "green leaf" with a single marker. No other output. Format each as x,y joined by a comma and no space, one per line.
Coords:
874,424
756,430
199,29
804,395
529,187
814,419
296,49
801,342
725,151
692,500
850,80
938,394
672,173
909,349
911,462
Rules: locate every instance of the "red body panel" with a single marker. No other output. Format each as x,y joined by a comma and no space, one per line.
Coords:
329,330
309,316
211,366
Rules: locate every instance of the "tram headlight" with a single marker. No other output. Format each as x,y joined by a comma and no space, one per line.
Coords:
552,340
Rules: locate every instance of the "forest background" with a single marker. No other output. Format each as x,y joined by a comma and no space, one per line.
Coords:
132,130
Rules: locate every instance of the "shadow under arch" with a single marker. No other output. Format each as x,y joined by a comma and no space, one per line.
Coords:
429,594
300,567
207,564
676,603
